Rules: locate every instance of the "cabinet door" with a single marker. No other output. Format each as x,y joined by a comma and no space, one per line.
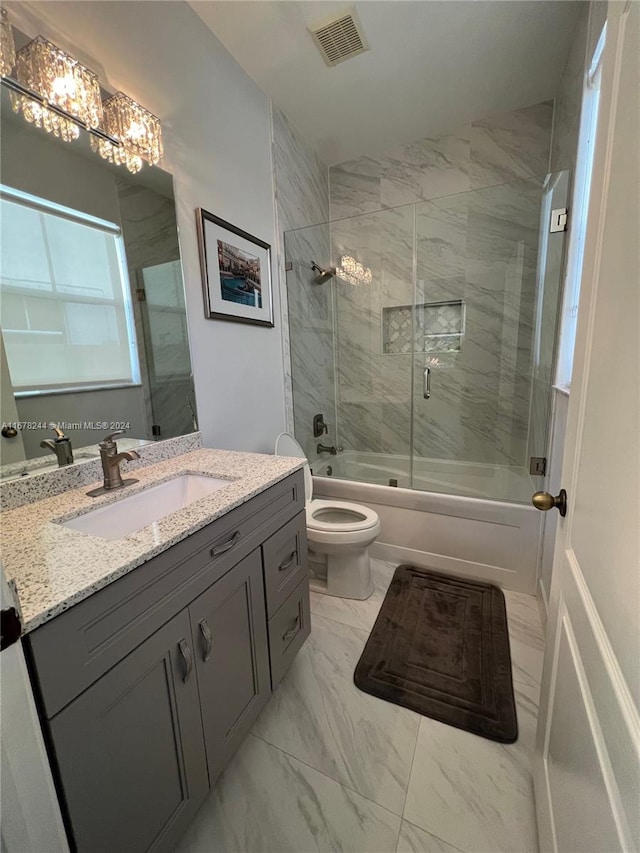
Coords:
130,750
232,659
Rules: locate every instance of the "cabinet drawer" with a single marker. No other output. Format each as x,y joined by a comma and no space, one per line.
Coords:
96,633
285,561
288,630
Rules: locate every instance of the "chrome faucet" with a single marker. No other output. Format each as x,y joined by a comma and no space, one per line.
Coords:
322,448
111,460
60,446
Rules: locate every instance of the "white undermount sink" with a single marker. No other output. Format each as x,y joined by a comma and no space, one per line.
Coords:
129,514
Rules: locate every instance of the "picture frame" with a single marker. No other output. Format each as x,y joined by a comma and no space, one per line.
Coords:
236,272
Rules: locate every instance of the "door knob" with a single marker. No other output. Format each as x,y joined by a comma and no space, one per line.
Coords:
545,501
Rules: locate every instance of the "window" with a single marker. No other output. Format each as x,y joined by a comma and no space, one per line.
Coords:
579,212
66,306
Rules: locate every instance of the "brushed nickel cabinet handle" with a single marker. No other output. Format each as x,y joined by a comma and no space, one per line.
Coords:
205,630
288,562
293,630
187,657
220,549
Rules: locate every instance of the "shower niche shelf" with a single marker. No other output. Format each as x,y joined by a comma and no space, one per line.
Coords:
439,328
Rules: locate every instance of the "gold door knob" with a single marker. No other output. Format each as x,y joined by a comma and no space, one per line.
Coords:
546,501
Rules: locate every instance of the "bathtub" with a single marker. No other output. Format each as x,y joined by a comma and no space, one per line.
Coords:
466,519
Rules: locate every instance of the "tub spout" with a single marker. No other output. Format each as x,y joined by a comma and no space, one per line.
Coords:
322,448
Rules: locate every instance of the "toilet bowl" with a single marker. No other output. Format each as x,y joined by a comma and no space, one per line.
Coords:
339,534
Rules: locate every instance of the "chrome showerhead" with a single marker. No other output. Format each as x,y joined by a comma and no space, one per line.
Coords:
325,275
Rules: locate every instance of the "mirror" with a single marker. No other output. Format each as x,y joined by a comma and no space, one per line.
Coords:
94,331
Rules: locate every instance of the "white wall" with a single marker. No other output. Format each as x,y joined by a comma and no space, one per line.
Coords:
217,134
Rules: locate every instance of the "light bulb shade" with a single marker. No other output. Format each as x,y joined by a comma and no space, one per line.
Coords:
137,130
7,45
61,80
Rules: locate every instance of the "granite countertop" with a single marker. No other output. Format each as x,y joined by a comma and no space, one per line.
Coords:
55,567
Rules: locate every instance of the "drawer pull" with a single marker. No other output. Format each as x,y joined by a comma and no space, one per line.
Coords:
205,630
187,657
288,562
220,549
293,630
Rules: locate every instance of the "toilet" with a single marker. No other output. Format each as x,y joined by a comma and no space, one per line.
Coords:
339,534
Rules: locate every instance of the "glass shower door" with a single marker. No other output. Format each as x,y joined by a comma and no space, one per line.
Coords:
373,317
479,315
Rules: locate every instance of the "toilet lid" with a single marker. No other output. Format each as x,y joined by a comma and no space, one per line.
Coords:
286,445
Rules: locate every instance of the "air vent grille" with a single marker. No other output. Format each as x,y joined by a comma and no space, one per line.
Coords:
340,38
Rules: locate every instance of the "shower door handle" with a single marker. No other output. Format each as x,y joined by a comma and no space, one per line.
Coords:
426,390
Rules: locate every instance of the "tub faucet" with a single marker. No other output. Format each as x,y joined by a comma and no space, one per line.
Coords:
111,460
322,448
60,446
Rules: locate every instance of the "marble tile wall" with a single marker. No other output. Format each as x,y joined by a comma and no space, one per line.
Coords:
488,152
302,201
477,199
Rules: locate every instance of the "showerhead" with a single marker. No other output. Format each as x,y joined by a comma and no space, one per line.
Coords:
325,275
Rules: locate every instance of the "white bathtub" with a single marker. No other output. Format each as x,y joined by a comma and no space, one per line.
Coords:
469,479
462,518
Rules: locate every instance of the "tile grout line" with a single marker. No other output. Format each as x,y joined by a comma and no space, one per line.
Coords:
433,835
326,776
406,793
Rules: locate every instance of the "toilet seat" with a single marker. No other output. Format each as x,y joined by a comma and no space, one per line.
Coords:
339,516
356,517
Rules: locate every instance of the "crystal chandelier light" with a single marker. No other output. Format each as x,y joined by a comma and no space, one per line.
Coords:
7,45
353,271
137,130
60,80
57,93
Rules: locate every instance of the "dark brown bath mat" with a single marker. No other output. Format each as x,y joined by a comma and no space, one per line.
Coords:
440,646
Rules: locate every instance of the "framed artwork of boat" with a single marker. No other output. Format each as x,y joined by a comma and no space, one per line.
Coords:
236,272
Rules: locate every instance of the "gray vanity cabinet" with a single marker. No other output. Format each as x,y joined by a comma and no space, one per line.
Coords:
229,631
149,685
130,750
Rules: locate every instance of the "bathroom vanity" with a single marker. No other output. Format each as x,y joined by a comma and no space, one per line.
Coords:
152,665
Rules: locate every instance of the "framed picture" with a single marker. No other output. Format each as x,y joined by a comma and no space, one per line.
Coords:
236,272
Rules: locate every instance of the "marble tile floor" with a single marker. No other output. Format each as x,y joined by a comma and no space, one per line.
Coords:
329,768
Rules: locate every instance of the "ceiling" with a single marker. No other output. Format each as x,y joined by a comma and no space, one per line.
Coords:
432,67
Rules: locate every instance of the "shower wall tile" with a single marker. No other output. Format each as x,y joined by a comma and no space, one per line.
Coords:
355,187
302,187
479,248
302,199
494,150
510,145
426,169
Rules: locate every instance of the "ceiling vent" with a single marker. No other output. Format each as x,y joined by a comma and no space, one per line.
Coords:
340,37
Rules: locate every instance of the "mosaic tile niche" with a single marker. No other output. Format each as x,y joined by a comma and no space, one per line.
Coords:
439,328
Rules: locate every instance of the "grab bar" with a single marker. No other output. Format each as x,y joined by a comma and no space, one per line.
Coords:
427,383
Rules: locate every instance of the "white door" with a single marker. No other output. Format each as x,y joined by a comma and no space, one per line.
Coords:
587,761
29,811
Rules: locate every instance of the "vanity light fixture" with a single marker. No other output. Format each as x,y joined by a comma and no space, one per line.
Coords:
60,81
7,45
353,271
57,93
137,130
